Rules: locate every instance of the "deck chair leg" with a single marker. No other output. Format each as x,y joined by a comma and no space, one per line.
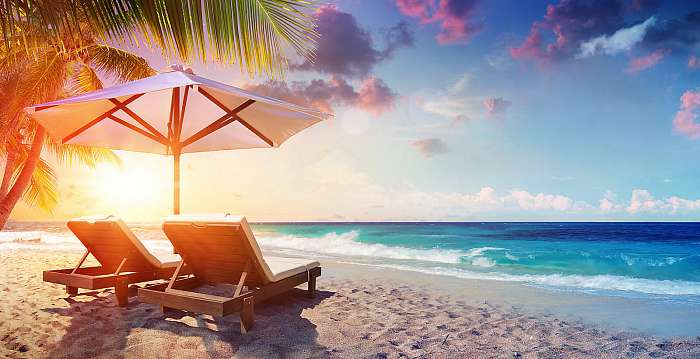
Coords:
247,314
311,287
74,290
121,290
71,290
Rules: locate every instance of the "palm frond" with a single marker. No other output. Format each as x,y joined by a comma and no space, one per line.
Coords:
252,33
87,79
71,155
81,79
120,64
42,191
44,78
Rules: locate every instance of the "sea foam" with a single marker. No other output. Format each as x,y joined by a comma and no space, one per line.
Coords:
606,283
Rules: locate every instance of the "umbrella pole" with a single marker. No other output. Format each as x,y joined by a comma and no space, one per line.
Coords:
176,182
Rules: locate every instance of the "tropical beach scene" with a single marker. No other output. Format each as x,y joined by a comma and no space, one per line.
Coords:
350,179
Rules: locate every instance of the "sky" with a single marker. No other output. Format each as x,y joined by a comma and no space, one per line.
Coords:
446,110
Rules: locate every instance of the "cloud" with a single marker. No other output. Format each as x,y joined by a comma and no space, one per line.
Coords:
569,22
622,40
373,96
461,84
540,201
398,36
684,121
457,104
641,63
496,105
677,34
693,62
458,108
642,201
454,17
430,147
608,203
346,49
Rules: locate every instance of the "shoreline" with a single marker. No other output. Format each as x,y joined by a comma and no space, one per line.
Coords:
359,312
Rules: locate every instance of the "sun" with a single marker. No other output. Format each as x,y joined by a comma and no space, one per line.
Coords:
128,185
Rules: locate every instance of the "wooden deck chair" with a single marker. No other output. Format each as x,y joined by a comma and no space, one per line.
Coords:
222,249
123,258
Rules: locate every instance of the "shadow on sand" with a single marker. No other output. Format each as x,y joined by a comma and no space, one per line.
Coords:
99,328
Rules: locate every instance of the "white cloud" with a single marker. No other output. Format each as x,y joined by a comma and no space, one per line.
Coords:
461,84
607,203
459,104
621,40
496,106
460,108
643,201
540,201
680,204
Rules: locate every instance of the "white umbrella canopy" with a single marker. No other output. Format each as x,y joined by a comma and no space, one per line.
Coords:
172,113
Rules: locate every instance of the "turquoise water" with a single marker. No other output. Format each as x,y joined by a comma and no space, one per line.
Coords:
658,260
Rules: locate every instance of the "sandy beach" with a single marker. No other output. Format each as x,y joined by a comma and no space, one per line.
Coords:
358,313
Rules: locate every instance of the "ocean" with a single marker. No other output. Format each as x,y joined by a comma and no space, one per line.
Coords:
660,261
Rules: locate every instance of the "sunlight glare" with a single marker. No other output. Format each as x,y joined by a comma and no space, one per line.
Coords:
128,185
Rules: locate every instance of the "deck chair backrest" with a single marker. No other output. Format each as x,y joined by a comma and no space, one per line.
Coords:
109,240
217,248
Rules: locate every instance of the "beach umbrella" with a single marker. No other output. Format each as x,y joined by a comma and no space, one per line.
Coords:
172,113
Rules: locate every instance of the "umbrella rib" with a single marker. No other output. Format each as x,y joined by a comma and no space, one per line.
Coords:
100,118
42,108
135,128
222,121
184,106
140,120
234,115
254,130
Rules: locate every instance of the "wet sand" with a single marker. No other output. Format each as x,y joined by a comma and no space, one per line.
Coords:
357,313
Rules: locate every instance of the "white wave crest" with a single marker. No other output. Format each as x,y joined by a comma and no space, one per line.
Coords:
66,241
346,244
651,262
574,282
18,237
332,244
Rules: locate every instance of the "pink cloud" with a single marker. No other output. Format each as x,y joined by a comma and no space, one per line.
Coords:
454,17
693,62
684,122
496,105
375,96
416,8
531,47
638,64
569,22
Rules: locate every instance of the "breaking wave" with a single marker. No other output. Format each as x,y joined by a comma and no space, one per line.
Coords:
575,282
346,244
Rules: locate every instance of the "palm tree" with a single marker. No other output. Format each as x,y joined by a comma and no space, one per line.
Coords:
55,48
251,33
46,73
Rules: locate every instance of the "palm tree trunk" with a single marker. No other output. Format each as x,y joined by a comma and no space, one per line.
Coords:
24,177
7,174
